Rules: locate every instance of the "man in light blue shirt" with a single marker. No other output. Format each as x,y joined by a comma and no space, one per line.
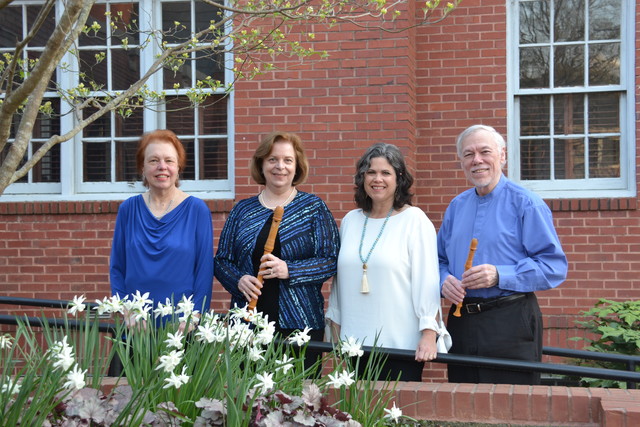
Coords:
518,253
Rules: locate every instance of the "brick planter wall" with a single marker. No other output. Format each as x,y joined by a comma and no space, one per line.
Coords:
516,405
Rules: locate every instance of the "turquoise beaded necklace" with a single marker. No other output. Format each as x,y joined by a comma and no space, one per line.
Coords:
365,283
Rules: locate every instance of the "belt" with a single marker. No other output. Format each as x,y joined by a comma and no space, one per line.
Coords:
486,305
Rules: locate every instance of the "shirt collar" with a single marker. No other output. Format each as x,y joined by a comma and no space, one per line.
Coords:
495,192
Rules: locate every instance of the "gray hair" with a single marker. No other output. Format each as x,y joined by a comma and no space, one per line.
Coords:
499,140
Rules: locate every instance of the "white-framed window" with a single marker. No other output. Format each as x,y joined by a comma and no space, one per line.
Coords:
99,162
571,105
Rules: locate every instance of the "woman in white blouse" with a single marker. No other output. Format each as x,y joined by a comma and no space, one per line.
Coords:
387,285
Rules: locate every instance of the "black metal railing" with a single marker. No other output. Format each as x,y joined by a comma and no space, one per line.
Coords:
630,376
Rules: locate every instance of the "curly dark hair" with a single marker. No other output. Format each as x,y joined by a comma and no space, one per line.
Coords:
404,178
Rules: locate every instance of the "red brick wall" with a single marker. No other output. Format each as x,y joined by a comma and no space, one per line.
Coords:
417,90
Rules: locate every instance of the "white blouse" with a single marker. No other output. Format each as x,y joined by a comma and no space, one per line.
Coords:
403,276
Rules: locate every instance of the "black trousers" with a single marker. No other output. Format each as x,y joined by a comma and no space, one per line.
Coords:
511,331
392,369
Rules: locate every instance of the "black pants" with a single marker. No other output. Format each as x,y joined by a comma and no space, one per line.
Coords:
392,369
511,331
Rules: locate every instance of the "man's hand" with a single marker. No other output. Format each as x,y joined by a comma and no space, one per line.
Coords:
452,290
480,276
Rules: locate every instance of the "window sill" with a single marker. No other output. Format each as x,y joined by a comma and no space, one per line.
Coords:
583,205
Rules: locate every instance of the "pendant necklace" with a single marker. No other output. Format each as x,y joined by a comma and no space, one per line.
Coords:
365,283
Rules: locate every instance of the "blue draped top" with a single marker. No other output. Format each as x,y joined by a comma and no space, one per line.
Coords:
169,257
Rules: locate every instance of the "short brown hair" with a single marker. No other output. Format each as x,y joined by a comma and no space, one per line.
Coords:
161,135
264,149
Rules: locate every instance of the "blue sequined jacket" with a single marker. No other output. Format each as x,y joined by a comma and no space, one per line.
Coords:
309,242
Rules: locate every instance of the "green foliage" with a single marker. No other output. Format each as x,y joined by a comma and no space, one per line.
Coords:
616,326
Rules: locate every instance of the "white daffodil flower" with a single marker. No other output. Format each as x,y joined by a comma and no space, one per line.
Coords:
62,353
142,313
10,386
141,300
344,378
284,364
185,306
177,380
75,378
394,414
300,337
260,320
206,332
265,335
77,305
6,341
165,309
351,348
255,354
175,340
168,362
240,334
238,313
110,305
265,382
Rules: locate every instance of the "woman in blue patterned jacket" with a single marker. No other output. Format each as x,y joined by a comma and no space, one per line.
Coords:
306,248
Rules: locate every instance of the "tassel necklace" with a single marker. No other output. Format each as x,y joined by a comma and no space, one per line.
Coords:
365,283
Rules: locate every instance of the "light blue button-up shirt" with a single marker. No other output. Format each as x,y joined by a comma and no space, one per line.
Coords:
515,233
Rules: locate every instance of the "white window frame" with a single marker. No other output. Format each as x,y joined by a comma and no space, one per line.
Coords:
625,185
71,186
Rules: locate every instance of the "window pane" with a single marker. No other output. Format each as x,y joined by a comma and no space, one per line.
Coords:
46,29
97,161
100,127
124,17
180,115
94,68
213,161
534,67
534,22
569,158
534,159
604,113
569,66
568,114
97,24
176,21
206,13
604,64
125,68
213,116
48,125
534,115
131,125
126,161
190,170
569,20
604,157
210,63
180,76
11,24
48,168
604,19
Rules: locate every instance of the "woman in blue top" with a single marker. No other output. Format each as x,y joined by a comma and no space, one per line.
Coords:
306,247
163,240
